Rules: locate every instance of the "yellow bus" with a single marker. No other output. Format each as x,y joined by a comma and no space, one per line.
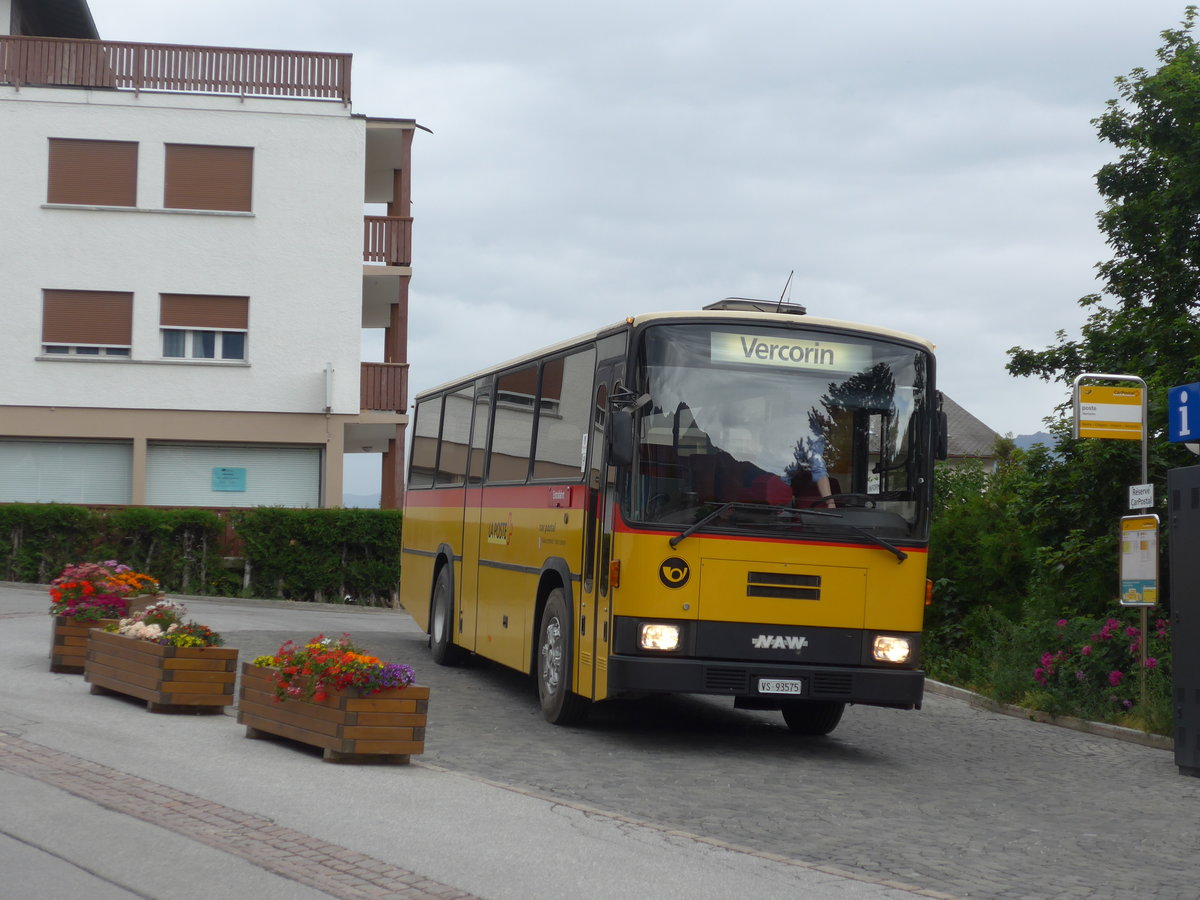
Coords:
733,501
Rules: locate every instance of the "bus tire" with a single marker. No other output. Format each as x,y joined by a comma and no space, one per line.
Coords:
813,717
560,705
441,623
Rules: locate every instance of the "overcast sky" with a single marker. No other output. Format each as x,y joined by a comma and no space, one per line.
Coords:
925,165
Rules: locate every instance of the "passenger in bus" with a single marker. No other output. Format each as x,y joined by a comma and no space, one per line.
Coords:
811,483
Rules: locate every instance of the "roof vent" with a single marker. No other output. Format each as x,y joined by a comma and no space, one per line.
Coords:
744,304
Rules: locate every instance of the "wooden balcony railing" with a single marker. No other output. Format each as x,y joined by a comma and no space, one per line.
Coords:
171,67
384,387
387,239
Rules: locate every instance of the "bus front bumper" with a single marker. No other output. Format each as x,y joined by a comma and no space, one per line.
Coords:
898,688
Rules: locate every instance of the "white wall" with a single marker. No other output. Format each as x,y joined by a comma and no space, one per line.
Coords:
5,16
298,256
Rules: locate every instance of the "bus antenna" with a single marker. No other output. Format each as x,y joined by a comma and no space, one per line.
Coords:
779,306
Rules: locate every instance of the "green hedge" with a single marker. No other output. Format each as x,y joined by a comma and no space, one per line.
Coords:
321,554
296,554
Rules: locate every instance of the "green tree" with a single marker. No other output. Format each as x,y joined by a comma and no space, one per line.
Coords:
1144,322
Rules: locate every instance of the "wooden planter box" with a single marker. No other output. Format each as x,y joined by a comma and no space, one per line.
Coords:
68,643
68,639
350,727
169,679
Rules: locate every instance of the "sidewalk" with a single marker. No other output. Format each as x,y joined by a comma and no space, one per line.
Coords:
106,800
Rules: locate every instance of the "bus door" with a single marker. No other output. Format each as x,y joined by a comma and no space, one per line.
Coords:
594,614
467,605
506,579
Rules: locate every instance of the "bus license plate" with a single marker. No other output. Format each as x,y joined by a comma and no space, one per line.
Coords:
780,686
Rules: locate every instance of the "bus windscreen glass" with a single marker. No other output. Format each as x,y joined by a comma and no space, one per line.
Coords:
767,421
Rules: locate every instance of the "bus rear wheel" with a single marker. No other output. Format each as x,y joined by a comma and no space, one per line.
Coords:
441,624
554,656
813,717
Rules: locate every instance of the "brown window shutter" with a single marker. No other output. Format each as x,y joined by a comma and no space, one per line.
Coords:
95,173
87,317
552,378
204,311
523,381
205,177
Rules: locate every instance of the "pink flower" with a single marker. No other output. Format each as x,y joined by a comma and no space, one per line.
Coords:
1114,677
1085,650
1062,623
1039,675
1132,631
1047,659
1151,662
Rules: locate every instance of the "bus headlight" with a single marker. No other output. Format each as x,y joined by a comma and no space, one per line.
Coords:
891,649
658,636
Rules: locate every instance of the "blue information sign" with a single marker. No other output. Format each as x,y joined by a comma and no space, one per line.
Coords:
1183,413
228,478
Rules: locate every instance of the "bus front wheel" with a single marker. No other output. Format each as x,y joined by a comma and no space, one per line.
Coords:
554,657
813,717
441,623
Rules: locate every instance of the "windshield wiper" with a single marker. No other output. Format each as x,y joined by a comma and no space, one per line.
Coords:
700,523
900,555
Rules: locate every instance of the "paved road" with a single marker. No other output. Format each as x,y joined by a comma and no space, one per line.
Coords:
948,801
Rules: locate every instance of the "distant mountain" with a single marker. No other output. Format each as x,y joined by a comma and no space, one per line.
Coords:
364,501
1025,441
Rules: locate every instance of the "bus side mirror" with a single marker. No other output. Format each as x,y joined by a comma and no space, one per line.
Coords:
943,436
620,437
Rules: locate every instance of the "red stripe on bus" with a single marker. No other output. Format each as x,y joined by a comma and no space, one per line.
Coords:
524,496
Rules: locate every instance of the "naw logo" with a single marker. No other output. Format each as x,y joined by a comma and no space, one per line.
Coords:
779,642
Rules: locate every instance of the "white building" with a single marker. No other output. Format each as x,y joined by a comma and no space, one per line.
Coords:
186,270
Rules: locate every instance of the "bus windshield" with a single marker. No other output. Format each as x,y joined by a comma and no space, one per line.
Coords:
768,422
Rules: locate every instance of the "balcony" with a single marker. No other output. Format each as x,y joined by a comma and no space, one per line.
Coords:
170,67
384,387
387,240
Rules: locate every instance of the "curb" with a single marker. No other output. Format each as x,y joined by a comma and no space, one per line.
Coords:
1101,729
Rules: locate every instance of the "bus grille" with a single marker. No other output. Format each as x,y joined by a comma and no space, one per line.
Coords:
832,684
786,587
732,680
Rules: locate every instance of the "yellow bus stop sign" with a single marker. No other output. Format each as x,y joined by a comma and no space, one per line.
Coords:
1109,412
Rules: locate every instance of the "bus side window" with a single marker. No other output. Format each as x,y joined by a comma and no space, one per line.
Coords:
563,416
512,431
423,462
456,428
479,431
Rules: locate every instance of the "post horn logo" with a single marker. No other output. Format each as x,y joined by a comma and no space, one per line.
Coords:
674,572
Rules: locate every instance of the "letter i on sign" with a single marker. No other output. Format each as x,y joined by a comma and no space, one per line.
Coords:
1184,428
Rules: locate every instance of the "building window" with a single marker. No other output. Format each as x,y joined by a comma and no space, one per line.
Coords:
92,173
196,326
87,323
206,177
